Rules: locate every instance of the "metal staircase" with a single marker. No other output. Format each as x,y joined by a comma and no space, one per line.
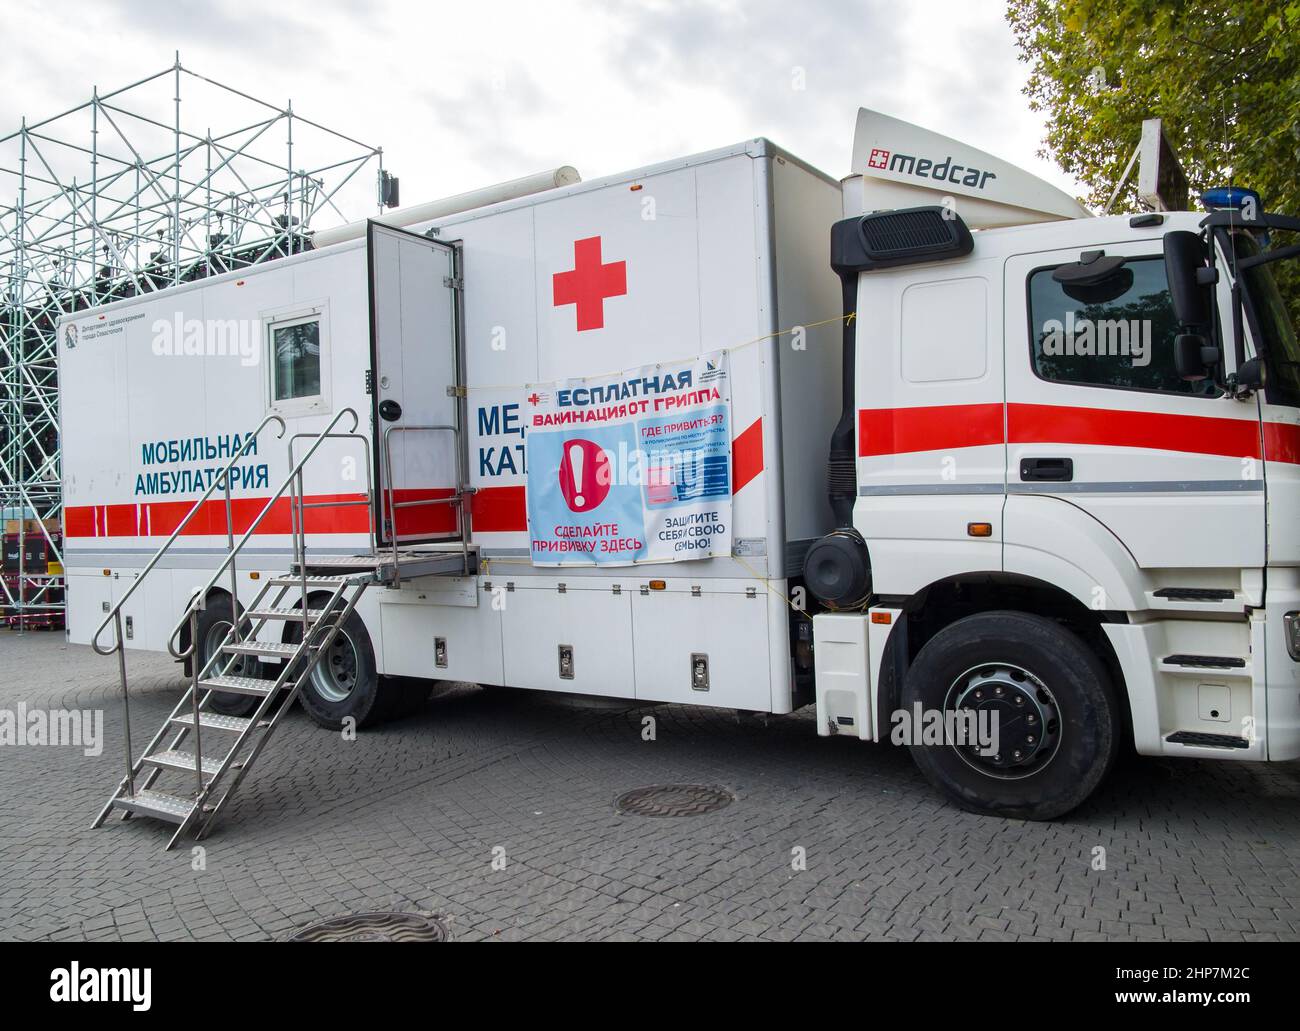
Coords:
253,645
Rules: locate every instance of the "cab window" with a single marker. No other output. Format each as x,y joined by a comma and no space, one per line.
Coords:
1118,333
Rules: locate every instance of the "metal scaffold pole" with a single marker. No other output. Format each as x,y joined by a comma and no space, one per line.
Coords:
119,196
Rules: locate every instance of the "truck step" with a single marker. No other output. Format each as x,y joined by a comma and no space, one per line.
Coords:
177,760
1195,594
161,805
1205,661
214,721
239,685
1194,737
259,648
293,614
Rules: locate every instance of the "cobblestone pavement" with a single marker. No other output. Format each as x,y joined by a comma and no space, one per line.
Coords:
406,817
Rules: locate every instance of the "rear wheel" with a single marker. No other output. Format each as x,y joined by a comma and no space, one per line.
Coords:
214,624
1046,699
345,684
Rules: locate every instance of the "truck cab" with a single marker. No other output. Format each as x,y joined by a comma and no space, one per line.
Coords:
1073,489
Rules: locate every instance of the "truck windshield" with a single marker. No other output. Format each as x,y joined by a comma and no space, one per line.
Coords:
1273,296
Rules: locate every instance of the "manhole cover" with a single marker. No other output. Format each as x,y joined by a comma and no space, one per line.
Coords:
374,927
674,800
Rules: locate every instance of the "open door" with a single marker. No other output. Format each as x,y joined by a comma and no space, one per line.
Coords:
415,361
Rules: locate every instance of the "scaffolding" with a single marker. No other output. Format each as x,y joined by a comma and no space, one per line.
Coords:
123,195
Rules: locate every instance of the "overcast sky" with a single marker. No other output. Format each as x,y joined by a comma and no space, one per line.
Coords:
466,94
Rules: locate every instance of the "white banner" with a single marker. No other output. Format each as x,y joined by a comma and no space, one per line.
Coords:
633,467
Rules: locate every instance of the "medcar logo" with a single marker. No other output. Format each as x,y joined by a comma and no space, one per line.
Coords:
927,168
121,984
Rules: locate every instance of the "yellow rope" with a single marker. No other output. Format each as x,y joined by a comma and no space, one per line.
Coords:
767,584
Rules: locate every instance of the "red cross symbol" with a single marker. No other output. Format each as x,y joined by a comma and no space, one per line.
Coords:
534,398
879,158
589,282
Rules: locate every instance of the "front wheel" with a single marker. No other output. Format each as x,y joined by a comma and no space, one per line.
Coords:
1025,718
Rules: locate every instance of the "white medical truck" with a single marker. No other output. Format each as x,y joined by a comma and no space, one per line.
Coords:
573,436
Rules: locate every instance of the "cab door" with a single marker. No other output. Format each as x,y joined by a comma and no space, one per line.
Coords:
1098,418
417,414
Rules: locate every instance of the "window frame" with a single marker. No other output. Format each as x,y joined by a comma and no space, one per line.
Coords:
284,318
1033,365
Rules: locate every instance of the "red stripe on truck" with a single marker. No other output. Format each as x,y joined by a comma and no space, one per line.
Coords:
896,431
499,510
160,518
899,431
492,510
1198,434
1282,442
747,455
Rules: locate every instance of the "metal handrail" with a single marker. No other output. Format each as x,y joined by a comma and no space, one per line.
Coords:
298,506
198,600
391,504
220,478
115,613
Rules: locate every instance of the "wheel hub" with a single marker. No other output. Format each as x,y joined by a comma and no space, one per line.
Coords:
335,674
215,636
1011,720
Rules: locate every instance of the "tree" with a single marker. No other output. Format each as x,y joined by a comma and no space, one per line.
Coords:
1224,77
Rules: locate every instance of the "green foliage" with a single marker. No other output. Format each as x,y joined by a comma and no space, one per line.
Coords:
1225,77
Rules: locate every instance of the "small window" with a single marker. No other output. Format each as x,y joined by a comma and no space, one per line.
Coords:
1118,333
295,359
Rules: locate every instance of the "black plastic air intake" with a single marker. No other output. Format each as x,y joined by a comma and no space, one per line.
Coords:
842,465
837,568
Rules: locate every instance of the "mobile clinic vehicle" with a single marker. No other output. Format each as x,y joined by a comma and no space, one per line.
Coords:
593,421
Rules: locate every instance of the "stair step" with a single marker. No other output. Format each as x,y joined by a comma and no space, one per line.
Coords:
173,759
239,685
161,805
363,562
293,614
260,648
331,582
214,721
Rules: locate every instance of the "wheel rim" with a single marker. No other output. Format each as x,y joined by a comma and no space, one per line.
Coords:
212,641
1028,720
335,676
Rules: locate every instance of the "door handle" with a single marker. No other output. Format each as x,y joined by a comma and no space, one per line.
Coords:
390,410
1057,470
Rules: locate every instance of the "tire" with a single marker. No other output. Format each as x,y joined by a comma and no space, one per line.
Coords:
1033,673
214,623
345,682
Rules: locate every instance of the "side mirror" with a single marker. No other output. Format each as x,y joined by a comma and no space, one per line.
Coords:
1185,257
1194,356
1252,375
